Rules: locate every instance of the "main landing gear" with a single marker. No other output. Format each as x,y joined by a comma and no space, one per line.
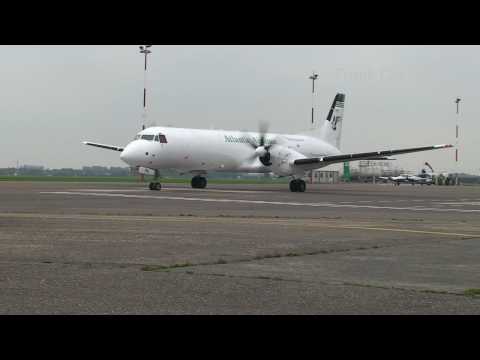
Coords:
199,182
155,185
298,185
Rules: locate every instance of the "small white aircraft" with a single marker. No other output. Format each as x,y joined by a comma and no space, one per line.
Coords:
422,179
198,151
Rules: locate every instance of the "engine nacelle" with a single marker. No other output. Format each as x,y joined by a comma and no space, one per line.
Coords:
282,161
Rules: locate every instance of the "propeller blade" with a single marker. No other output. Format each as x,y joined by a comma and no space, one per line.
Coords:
252,157
251,142
263,129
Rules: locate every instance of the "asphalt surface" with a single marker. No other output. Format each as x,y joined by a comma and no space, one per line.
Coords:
77,248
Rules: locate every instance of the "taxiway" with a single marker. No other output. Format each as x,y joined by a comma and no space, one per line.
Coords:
77,248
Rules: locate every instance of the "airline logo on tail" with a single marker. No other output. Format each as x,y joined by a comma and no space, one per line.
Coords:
336,110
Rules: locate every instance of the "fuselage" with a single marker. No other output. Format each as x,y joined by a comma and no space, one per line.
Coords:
201,150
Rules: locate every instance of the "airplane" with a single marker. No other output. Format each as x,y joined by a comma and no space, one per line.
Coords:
424,178
199,151
410,179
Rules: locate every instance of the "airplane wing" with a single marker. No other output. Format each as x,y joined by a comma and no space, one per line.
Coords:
380,158
314,163
103,146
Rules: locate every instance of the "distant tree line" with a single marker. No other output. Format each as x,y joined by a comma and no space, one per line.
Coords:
31,170
84,171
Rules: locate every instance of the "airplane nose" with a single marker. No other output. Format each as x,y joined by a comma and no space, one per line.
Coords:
137,153
127,155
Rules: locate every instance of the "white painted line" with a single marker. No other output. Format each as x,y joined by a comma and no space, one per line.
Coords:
173,189
219,191
461,203
110,190
261,202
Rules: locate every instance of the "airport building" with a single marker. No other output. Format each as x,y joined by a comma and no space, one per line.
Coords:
368,170
323,177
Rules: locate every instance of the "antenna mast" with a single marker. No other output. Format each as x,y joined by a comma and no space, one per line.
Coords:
457,101
144,50
313,77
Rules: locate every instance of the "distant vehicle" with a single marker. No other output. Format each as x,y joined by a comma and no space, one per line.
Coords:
198,151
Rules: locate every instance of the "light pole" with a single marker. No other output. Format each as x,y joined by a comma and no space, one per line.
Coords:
313,77
457,101
144,50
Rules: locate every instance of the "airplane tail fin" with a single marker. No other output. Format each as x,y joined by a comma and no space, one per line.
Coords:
331,129
430,167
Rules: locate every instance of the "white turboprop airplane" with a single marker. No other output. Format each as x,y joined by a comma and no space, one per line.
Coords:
198,151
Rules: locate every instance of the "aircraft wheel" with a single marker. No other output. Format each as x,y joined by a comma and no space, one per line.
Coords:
155,186
194,182
199,182
293,186
298,185
302,186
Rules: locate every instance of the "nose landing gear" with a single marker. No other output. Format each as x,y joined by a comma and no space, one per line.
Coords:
199,182
298,185
155,185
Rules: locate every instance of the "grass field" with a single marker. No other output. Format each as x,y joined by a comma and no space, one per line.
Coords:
132,179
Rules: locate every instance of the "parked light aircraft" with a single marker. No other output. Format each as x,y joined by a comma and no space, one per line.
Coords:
198,151
422,179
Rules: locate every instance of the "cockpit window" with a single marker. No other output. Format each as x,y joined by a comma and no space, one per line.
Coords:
162,138
138,136
148,137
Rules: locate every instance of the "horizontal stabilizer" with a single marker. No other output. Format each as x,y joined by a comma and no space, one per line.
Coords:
103,146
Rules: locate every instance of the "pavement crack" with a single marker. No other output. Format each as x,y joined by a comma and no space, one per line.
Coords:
470,293
425,291
257,258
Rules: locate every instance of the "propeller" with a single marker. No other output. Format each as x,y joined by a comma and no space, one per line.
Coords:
262,149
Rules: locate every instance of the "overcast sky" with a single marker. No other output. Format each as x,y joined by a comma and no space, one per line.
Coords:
54,97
